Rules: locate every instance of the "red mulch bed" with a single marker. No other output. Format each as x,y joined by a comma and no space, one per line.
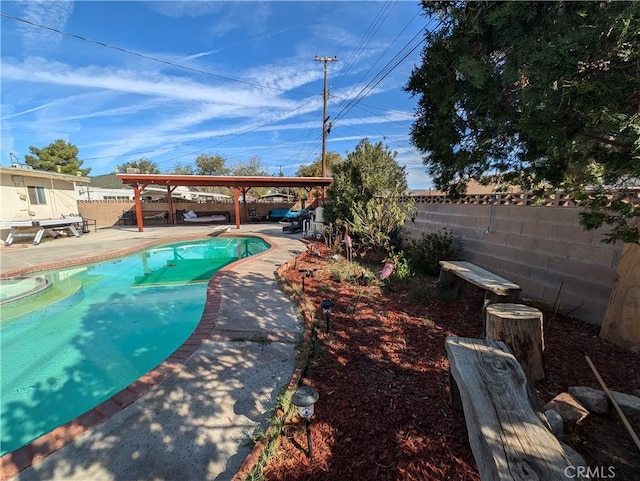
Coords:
381,371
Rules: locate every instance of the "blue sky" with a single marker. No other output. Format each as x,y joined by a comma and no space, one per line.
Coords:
170,80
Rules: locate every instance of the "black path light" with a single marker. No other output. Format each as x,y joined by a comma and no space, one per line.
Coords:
304,399
327,306
304,273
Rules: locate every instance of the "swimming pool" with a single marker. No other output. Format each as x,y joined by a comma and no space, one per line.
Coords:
97,328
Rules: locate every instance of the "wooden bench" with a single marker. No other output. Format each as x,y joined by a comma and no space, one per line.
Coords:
497,289
155,215
508,433
129,217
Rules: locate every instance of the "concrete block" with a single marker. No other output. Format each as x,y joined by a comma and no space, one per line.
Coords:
538,261
585,268
520,242
521,213
516,269
563,216
507,226
585,290
588,309
532,289
545,276
548,232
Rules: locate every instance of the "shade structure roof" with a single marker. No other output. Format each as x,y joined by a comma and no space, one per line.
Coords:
242,182
237,184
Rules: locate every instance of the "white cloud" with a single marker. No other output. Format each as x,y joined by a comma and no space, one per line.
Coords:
185,8
54,14
154,84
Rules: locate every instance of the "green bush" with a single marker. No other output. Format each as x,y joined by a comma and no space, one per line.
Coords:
401,268
425,254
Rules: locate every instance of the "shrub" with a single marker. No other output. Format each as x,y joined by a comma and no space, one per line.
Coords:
401,268
425,254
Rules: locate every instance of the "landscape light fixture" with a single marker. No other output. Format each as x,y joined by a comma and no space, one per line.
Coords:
304,273
327,305
304,399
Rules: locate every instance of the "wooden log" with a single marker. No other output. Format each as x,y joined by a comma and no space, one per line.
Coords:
520,328
621,323
508,439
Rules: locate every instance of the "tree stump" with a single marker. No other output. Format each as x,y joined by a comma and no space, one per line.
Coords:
520,328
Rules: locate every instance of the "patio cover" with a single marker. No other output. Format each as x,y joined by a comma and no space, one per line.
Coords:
237,184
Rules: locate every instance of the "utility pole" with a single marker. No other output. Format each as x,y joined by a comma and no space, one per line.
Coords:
326,61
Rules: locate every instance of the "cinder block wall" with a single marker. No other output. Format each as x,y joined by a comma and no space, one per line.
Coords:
543,249
108,212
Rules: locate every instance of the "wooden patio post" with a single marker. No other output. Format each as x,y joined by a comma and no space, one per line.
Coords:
236,202
136,196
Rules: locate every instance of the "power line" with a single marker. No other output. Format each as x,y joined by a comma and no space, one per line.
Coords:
406,50
366,39
240,134
385,71
148,57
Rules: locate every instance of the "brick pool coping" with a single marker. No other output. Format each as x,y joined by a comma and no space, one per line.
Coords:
15,461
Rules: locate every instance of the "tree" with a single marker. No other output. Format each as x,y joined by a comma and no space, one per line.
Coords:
315,168
145,166
543,95
183,169
369,194
211,165
60,155
252,167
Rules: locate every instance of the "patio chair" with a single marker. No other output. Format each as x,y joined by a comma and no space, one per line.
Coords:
253,215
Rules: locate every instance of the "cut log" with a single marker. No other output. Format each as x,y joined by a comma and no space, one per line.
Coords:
508,439
520,328
621,323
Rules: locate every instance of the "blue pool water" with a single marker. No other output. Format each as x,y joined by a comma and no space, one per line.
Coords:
98,328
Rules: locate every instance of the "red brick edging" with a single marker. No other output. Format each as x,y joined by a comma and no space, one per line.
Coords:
258,449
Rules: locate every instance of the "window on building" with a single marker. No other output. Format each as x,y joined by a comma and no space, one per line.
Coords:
36,195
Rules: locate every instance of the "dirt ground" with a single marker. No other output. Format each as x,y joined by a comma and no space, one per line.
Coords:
382,375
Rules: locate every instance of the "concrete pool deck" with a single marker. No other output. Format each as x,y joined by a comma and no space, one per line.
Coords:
192,417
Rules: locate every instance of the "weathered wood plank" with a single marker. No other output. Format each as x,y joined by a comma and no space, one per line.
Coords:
621,323
508,439
481,277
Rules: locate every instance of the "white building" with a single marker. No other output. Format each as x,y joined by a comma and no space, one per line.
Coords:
29,194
